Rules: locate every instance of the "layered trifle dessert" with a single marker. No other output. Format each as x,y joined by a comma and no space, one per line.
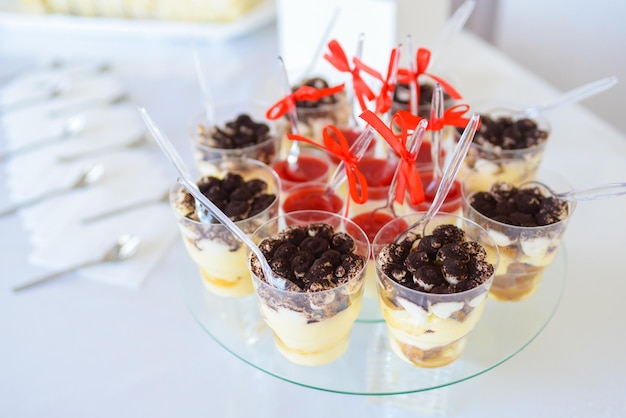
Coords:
505,148
433,286
527,224
247,192
238,130
321,265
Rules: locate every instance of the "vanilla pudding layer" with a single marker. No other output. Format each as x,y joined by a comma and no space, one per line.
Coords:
480,173
223,270
311,343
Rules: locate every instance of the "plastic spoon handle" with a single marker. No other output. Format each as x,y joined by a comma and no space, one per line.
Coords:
186,181
601,191
572,96
452,27
204,87
436,113
292,115
321,44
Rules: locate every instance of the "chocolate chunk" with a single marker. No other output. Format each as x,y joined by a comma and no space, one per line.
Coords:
231,181
428,276
301,262
527,202
449,233
349,265
454,270
260,203
282,267
479,270
241,193
320,230
333,256
315,245
285,250
398,273
342,242
256,186
268,246
509,134
430,245
236,210
294,235
475,250
241,132
485,203
454,250
321,271
415,260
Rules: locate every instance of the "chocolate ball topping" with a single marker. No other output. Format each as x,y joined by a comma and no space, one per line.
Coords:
241,132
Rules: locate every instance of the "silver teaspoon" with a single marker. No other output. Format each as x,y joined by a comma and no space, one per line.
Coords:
124,248
86,178
73,126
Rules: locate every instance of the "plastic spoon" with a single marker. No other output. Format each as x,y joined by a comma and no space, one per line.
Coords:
86,178
204,87
601,191
124,248
73,126
572,96
189,184
452,27
448,176
436,113
321,44
358,149
292,115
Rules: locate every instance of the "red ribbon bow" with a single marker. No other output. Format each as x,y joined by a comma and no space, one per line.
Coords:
407,122
336,144
422,60
408,178
384,99
338,59
451,117
281,107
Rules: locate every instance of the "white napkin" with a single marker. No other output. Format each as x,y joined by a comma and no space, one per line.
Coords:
59,237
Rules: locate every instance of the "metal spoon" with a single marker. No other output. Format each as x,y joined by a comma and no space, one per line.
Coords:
86,178
133,143
601,191
73,126
124,248
164,198
448,177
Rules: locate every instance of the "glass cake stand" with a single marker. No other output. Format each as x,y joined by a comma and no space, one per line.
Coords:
369,367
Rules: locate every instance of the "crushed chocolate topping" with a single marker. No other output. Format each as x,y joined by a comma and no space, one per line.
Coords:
527,207
237,198
305,256
505,133
443,262
241,132
402,96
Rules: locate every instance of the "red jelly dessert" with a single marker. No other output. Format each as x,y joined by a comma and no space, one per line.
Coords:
371,222
453,200
312,197
378,174
307,168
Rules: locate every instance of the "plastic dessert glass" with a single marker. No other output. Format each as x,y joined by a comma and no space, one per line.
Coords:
454,200
312,166
484,162
313,327
525,252
264,150
430,329
311,196
219,255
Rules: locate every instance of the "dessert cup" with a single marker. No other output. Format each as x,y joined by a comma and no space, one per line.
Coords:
525,251
429,328
486,161
260,136
312,318
454,200
311,196
312,166
219,255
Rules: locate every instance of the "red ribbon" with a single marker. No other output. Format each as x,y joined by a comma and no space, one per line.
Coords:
422,60
451,117
407,122
338,59
336,144
384,99
408,178
303,93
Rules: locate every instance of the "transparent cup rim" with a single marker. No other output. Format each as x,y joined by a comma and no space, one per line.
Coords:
442,296
176,187
362,241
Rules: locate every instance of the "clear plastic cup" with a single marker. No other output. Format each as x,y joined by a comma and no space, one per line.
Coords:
219,255
484,162
311,196
227,112
313,327
312,166
525,252
454,200
430,329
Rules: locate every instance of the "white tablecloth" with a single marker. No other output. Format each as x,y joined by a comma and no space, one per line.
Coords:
80,349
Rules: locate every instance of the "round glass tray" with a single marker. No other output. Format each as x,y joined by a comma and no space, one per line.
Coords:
369,367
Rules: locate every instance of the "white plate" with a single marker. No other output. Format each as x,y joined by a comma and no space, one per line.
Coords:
12,14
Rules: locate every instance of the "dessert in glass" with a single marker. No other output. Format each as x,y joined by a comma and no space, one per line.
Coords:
237,129
311,166
527,224
505,148
246,191
433,285
312,196
322,265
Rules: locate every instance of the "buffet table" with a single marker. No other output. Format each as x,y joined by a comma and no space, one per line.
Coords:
76,348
